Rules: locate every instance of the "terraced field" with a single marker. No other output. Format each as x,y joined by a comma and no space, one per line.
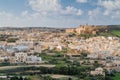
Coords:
13,67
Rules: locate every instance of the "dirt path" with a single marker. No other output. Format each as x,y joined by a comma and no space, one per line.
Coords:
11,67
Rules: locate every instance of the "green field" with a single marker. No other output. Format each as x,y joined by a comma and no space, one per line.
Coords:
116,32
110,33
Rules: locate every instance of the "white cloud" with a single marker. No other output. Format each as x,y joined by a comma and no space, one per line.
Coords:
106,13
3,14
106,9
81,1
7,18
116,15
110,6
45,13
24,13
80,12
94,12
72,10
47,7
36,19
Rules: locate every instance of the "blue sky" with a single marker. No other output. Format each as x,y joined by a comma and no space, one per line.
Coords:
58,13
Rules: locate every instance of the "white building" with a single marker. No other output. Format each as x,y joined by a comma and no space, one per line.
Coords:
33,59
20,57
24,58
98,71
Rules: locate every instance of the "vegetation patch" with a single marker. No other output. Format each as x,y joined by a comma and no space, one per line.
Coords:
116,32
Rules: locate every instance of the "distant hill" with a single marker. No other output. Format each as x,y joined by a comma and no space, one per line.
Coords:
31,28
114,27
50,29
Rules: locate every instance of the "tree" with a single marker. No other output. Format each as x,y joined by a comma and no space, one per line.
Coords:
77,63
69,78
20,78
12,39
47,78
14,78
87,78
27,79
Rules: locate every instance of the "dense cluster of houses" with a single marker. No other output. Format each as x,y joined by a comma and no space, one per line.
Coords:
98,46
34,41
21,57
